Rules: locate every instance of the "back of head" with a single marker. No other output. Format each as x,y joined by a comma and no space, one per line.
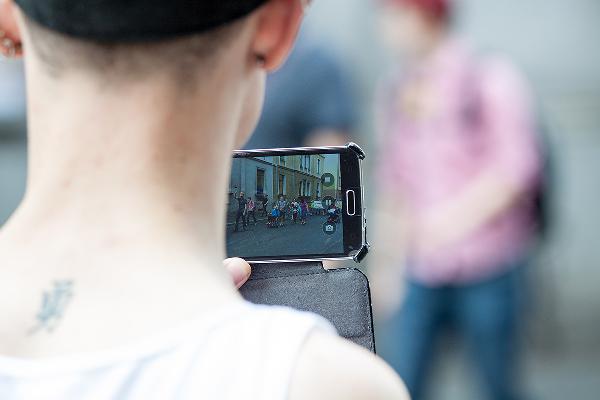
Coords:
175,47
130,39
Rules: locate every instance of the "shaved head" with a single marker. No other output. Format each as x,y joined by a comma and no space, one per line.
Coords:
181,57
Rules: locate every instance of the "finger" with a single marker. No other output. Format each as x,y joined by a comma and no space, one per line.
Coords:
238,269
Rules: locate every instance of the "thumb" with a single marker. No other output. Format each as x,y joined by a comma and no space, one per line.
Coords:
238,269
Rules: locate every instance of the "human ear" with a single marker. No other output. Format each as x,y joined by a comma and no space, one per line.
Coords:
277,25
10,34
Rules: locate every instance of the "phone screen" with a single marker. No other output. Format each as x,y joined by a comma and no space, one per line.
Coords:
286,206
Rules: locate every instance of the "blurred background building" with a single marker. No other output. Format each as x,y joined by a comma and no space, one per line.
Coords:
555,44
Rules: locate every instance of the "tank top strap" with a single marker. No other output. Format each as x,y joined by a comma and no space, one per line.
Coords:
286,333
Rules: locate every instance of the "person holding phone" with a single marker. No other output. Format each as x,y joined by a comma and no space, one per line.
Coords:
265,203
282,207
303,210
274,218
111,277
295,207
251,211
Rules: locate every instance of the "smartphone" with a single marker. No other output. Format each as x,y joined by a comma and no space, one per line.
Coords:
297,205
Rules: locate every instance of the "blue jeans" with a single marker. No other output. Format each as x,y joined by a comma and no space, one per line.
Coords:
486,314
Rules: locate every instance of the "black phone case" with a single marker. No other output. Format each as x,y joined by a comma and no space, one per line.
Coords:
341,296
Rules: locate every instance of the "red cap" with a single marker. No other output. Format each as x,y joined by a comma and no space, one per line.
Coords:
439,10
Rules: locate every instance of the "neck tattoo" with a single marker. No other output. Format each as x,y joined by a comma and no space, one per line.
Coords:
54,303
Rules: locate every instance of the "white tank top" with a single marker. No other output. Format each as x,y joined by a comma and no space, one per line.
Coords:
242,352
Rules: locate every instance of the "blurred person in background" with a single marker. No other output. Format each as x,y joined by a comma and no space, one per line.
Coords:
112,283
308,101
12,137
458,165
12,101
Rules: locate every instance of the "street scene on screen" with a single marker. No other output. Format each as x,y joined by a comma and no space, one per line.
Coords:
285,206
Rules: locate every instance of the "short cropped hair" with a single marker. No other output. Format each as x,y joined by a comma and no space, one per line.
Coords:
180,56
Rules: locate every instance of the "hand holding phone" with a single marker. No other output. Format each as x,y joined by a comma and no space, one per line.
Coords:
312,210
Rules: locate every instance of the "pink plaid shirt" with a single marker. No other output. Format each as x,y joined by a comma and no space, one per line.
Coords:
477,113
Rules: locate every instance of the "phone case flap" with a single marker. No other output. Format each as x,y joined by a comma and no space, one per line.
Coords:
341,295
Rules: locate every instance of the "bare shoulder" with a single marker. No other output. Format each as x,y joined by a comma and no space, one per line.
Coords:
333,368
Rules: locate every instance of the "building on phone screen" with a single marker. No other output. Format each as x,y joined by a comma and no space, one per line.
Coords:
293,177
